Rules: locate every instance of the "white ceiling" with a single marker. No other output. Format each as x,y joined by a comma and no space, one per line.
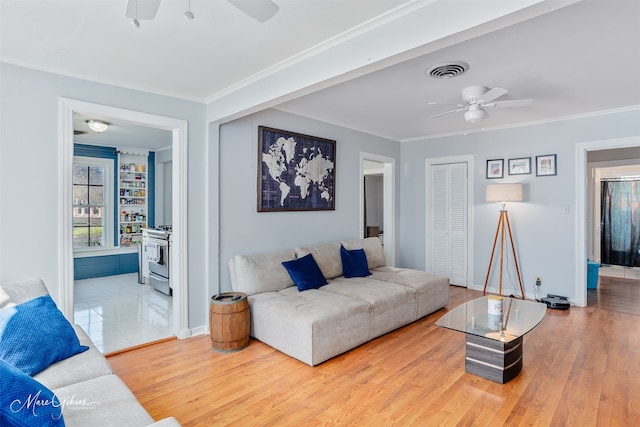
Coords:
581,59
121,134
193,59
572,58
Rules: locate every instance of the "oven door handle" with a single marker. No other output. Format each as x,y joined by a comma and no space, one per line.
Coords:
162,247
158,277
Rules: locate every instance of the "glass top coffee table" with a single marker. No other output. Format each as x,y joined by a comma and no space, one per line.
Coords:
494,339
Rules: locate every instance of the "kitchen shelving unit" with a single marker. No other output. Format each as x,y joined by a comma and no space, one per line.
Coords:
132,199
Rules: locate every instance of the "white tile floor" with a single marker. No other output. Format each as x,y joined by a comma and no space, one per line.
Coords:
117,312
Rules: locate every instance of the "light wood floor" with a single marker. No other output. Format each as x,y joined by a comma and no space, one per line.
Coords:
616,294
581,368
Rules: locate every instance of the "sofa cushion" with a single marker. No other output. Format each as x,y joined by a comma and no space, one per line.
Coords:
354,263
26,402
393,305
20,292
327,256
305,273
311,326
35,334
257,273
372,248
81,367
102,401
432,290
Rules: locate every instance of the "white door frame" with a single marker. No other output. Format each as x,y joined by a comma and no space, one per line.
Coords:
582,148
468,159
178,128
388,202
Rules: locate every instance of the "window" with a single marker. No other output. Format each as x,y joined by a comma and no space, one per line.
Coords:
92,203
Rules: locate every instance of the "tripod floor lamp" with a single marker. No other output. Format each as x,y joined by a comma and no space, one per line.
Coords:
503,193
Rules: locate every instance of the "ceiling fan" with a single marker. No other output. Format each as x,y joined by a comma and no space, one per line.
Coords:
477,98
260,10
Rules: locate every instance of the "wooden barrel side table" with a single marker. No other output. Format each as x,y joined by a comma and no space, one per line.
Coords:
229,322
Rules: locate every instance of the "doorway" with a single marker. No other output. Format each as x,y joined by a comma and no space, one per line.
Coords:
585,205
612,167
448,213
609,167
178,130
378,221
117,193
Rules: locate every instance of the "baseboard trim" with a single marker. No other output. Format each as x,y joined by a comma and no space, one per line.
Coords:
136,347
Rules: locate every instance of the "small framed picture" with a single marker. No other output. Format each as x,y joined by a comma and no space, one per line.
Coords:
521,166
495,168
546,165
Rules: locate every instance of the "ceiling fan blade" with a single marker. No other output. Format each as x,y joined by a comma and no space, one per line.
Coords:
260,10
446,103
448,112
142,9
494,93
510,103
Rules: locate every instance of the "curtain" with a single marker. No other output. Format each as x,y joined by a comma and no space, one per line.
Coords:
620,222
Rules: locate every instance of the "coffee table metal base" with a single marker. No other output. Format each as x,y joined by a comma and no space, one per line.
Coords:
494,360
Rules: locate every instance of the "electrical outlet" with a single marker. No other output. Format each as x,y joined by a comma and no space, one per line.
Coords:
538,281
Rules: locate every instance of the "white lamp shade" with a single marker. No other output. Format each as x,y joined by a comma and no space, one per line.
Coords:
504,193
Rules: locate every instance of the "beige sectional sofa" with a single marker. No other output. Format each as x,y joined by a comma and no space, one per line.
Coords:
88,392
317,324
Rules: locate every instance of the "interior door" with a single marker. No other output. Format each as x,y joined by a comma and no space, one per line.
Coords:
449,220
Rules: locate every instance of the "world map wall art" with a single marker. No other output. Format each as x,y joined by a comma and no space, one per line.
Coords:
295,172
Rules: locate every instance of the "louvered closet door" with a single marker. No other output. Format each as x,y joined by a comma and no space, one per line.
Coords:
449,221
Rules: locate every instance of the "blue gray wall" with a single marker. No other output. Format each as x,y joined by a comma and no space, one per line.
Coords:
222,174
29,173
243,230
545,236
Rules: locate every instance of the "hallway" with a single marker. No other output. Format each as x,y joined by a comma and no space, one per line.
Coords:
621,295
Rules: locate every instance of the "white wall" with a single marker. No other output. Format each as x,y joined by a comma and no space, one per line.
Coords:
243,230
29,173
164,186
545,236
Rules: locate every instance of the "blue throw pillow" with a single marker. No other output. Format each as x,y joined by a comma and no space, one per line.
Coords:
354,263
305,273
26,402
35,334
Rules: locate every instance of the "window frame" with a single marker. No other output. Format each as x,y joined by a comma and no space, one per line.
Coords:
108,201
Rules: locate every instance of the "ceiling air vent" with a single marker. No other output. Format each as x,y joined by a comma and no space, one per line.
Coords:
448,70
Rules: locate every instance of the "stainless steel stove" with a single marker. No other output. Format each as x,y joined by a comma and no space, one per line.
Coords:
158,244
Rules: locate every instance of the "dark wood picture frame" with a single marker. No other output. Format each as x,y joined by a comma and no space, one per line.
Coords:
520,166
546,165
495,168
296,172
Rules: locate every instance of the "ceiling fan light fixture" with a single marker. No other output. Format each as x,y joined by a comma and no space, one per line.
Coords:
98,126
475,115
